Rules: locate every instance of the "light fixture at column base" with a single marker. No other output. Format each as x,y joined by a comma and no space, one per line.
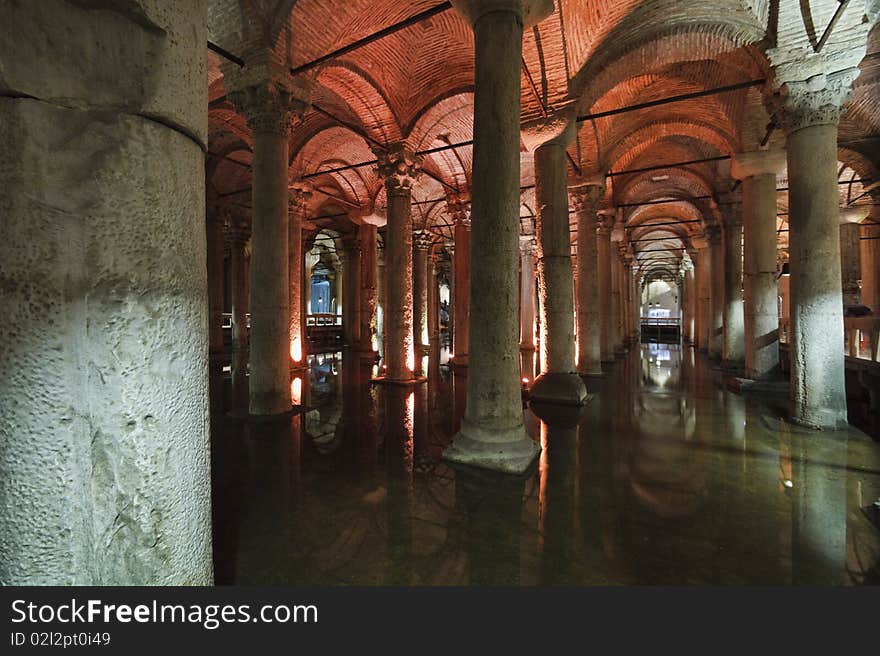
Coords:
559,388
510,451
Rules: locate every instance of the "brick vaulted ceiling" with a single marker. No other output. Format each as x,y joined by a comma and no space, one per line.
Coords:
416,85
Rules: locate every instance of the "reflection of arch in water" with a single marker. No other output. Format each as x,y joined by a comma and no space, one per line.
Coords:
324,274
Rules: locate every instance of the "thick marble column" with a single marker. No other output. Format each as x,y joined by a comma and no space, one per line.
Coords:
492,431
239,234
104,451
459,207
558,381
215,228
399,168
809,118
758,171
716,292
422,243
586,198
733,335
299,198
869,257
603,278
433,317
527,248
269,101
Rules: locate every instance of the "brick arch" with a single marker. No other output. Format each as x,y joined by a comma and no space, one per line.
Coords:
656,35
451,116
366,99
335,147
642,138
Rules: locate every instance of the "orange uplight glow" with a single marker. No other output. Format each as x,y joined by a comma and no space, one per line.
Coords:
296,391
296,351
526,381
410,358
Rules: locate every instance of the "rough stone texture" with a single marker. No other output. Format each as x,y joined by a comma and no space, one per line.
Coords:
716,294
421,245
733,352
104,456
215,280
817,359
589,362
761,313
462,282
492,431
527,294
603,269
559,381
299,198
869,258
850,265
400,169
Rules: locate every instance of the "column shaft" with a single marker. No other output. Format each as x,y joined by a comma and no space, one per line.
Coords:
239,264
734,335
603,268
492,432
589,315
104,415
716,295
215,282
761,312
462,282
527,295
558,382
869,261
817,358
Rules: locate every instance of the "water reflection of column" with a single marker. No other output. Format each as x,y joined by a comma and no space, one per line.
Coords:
399,416
492,505
819,511
559,442
265,526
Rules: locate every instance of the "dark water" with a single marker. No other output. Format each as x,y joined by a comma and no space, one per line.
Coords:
666,478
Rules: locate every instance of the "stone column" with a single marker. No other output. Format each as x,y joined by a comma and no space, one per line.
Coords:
869,258
368,293
459,206
351,280
850,263
450,249
104,414
422,242
381,282
239,233
215,228
492,431
603,278
733,335
558,381
399,168
268,99
586,198
758,171
299,197
716,292
527,247
433,313
689,305
704,290
809,114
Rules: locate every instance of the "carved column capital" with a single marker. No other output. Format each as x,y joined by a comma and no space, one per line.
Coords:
459,207
604,225
299,196
528,245
423,240
816,100
398,166
268,98
585,196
